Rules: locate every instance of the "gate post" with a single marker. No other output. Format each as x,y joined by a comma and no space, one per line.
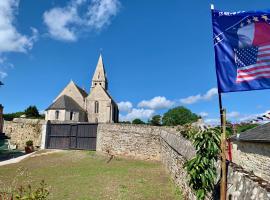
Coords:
44,136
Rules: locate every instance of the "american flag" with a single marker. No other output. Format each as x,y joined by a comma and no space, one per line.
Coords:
252,63
252,56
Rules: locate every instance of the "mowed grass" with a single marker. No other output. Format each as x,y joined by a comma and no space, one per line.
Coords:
84,175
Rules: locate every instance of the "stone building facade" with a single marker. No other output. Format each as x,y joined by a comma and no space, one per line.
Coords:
74,104
1,118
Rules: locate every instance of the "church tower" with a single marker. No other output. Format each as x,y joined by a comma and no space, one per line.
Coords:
99,77
100,106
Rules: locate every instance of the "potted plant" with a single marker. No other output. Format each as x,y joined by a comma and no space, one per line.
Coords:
29,147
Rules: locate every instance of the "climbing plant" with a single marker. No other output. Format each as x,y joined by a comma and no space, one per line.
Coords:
201,169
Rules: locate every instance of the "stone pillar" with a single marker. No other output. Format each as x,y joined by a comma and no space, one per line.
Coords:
1,118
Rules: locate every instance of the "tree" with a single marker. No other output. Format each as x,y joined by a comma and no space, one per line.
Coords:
137,121
156,120
32,112
179,116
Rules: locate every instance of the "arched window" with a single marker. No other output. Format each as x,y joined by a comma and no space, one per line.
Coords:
96,106
57,114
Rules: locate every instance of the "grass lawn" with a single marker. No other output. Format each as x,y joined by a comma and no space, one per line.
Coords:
83,175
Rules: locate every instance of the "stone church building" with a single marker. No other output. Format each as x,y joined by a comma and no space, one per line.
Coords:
74,104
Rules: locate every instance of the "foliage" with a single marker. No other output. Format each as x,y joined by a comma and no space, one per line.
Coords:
239,128
245,126
178,116
125,122
201,169
138,121
27,193
29,143
32,112
11,116
20,187
156,120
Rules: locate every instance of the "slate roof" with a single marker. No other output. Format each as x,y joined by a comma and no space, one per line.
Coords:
65,103
82,91
258,134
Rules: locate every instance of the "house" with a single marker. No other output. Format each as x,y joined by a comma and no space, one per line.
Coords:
251,150
74,104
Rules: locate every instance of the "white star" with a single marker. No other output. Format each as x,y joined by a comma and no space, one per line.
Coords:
255,19
248,21
265,17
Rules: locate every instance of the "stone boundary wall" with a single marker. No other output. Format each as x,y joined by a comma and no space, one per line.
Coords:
149,143
175,151
245,185
137,141
21,130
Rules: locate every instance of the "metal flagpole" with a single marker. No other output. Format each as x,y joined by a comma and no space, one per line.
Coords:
223,181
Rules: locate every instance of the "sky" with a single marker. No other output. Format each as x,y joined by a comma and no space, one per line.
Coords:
157,55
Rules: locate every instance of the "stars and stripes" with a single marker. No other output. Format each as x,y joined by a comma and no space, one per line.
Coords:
252,58
252,63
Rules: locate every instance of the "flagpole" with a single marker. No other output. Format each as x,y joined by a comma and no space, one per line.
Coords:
223,180
222,111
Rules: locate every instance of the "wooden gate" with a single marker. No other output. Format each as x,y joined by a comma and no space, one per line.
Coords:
71,136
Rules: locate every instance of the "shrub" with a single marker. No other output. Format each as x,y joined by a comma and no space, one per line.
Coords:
201,169
29,143
137,121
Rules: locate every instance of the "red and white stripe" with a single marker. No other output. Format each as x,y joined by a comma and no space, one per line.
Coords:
255,34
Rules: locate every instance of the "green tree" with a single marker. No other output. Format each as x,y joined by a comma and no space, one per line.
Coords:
155,121
179,116
137,121
201,169
32,112
11,116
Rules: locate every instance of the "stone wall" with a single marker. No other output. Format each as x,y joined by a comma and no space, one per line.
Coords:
22,130
137,141
253,157
245,185
175,151
149,142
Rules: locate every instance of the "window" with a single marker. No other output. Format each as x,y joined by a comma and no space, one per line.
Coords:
57,114
96,106
71,116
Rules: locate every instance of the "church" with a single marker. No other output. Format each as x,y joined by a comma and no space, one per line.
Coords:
74,104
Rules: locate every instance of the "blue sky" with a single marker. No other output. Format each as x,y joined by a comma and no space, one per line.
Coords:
157,54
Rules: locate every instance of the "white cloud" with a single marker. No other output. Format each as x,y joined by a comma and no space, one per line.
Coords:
10,39
212,121
3,75
125,106
233,114
156,103
206,97
101,11
137,113
203,114
65,23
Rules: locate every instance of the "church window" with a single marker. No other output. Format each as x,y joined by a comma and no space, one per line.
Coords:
71,116
57,114
96,106
95,83
99,83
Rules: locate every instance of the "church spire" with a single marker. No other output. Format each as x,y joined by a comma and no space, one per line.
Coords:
99,77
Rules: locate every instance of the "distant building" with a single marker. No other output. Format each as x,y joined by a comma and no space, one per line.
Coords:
74,104
251,150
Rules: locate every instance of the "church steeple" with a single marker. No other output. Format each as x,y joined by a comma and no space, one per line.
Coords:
99,77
